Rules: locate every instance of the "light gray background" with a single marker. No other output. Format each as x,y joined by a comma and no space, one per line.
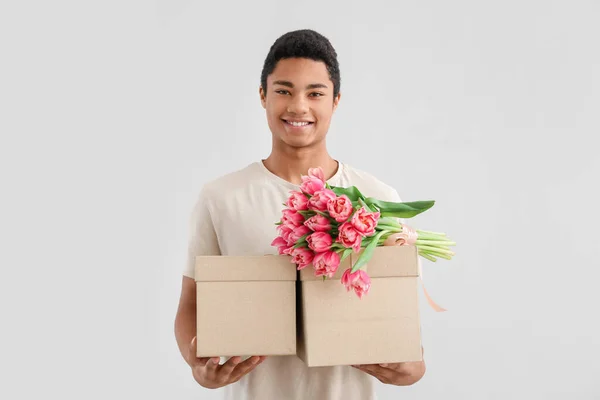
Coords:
114,113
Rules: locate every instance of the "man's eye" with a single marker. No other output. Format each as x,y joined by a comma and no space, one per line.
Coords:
317,94
281,90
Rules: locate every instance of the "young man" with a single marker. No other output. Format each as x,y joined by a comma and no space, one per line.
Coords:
235,215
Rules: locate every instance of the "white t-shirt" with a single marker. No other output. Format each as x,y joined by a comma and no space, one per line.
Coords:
235,215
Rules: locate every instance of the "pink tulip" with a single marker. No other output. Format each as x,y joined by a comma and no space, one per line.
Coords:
311,184
317,173
364,221
359,281
340,208
319,241
282,245
292,218
326,263
349,236
318,223
297,233
297,201
302,257
284,231
320,199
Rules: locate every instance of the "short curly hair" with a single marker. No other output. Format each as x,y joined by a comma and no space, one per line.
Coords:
303,43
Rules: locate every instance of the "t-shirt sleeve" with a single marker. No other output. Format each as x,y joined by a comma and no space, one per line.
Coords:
202,237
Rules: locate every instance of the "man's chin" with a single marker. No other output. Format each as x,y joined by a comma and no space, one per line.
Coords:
299,142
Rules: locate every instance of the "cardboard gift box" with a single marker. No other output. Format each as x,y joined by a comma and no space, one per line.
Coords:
246,306
335,327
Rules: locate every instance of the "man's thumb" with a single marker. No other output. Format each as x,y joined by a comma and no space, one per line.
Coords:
192,351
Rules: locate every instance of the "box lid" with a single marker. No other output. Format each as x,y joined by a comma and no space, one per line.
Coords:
244,268
387,261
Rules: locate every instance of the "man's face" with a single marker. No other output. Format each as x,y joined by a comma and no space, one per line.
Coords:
299,102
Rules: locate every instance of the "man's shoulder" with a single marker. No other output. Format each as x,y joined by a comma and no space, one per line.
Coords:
371,185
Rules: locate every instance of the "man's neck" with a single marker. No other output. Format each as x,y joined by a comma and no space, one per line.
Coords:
289,165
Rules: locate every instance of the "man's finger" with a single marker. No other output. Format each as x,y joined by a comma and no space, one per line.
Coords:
247,366
360,368
374,368
211,368
206,360
192,358
378,371
202,361
227,369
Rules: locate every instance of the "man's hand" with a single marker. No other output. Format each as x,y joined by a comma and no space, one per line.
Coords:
209,374
399,374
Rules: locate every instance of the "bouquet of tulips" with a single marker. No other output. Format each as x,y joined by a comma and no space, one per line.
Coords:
322,225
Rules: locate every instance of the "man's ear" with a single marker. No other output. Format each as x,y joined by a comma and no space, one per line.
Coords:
336,101
263,99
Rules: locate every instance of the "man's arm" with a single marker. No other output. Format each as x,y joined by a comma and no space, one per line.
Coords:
185,320
202,240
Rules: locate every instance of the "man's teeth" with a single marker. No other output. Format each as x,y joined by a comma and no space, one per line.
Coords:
298,123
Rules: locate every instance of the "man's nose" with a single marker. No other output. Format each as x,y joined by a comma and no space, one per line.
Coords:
298,105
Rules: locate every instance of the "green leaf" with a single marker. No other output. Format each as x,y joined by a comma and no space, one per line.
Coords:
306,213
400,209
323,213
352,192
389,221
367,253
367,207
345,254
302,241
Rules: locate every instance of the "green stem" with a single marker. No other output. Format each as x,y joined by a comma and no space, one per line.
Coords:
447,257
436,250
431,233
435,238
435,243
427,256
386,227
436,254
427,236
389,221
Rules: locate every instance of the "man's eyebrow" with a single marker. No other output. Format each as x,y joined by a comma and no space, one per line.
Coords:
291,85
